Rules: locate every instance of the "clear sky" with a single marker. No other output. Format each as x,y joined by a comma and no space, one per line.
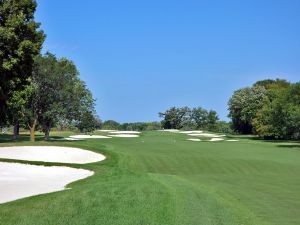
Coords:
141,57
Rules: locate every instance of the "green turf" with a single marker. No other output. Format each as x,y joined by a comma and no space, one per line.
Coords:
161,178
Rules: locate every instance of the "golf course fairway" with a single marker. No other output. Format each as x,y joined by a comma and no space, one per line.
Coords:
161,178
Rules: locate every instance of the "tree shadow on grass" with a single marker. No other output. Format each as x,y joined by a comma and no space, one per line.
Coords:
294,146
7,138
283,143
242,137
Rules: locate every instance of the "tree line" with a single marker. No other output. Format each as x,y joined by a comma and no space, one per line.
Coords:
193,118
137,126
269,109
37,91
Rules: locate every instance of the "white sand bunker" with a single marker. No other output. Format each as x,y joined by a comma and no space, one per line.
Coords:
50,154
71,139
191,132
125,135
194,139
170,130
207,135
20,181
83,136
216,139
125,132
64,139
106,130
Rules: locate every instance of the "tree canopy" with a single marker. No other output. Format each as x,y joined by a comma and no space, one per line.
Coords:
204,119
175,118
280,116
54,93
270,109
187,118
21,40
243,106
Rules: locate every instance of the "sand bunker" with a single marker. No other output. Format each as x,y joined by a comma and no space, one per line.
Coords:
216,139
106,130
71,139
19,180
124,132
194,139
207,135
83,136
124,135
50,154
170,130
191,132
64,139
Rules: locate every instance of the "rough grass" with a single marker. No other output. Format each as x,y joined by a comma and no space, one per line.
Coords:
160,178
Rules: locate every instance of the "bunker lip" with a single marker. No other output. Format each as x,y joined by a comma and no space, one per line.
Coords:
194,139
206,135
125,132
84,136
52,154
170,130
19,181
216,139
124,135
191,132
64,139
106,130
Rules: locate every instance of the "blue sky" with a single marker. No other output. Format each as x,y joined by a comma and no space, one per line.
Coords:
142,57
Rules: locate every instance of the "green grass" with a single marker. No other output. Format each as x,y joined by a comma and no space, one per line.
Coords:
160,178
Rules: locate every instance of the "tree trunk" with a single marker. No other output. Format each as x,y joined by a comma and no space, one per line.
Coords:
16,130
32,131
32,134
47,134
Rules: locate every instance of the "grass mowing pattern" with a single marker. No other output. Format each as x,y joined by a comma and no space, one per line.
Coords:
160,178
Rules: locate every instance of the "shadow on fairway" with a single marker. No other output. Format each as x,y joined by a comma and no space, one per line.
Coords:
7,138
289,146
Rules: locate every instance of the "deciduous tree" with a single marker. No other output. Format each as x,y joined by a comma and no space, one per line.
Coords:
21,40
175,118
243,106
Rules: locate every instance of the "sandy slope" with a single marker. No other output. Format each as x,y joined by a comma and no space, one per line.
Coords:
194,139
50,154
124,135
191,132
216,139
20,180
125,132
84,136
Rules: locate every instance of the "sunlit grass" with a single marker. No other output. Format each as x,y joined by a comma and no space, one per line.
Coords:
161,178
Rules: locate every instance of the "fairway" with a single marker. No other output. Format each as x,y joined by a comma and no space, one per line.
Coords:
161,178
